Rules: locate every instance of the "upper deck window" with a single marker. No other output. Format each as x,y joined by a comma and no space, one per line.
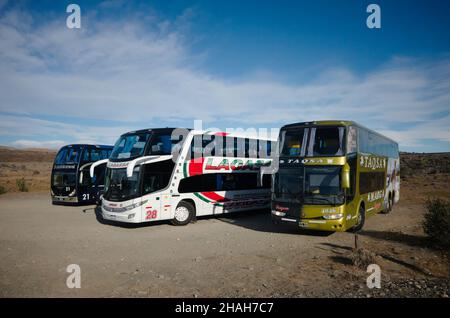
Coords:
293,142
68,155
130,146
326,141
312,142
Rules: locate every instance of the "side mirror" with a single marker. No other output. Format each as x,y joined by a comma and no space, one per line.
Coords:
345,176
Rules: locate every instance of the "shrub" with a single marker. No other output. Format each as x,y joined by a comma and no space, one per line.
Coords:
22,185
362,257
436,222
2,190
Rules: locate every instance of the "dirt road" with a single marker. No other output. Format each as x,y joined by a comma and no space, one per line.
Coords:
241,255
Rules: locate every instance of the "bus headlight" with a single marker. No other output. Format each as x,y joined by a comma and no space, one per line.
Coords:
123,209
71,194
333,216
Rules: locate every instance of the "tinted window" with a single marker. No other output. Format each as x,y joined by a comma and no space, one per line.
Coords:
156,176
372,143
160,144
64,179
130,146
68,155
292,142
326,141
371,181
222,182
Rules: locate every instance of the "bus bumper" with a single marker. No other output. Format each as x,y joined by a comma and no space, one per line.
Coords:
127,217
56,199
311,224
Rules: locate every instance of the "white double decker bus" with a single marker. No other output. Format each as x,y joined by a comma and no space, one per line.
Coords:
178,174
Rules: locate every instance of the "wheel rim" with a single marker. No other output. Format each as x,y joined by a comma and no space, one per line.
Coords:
181,214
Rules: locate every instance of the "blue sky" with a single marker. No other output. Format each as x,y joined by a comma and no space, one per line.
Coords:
248,64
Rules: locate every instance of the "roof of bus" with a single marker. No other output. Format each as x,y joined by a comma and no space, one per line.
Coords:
238,134
322,123
162,130
242,134
83,145
334,123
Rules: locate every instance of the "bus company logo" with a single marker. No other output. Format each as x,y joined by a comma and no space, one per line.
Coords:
281,208
377,195
64,166
246,203
235,165
117,165
307,161
291,161
372,162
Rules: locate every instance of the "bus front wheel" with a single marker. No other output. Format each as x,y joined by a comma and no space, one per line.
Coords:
184,213
360,220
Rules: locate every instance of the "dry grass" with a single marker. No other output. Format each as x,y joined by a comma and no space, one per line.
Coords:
34,166
362,258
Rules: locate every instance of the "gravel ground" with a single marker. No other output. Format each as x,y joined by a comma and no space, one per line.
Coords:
241,255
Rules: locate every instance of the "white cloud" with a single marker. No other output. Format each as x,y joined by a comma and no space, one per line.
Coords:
131,70
49,144
24,127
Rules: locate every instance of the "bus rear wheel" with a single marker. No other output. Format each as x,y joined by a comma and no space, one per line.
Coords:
360,221
184,213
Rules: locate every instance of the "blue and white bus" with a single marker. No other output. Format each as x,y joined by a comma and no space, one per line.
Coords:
71,182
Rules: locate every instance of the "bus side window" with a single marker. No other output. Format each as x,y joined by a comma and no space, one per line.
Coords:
209,148
352,142
230,147
157,176
86,155
95,154
251,148
240,147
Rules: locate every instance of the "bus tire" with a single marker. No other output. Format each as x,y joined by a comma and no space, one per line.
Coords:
361,219
184,213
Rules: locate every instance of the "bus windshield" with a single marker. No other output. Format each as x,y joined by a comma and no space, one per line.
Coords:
312,142
63,179
322,185
312,185
68,155
118,187
130,146
135,145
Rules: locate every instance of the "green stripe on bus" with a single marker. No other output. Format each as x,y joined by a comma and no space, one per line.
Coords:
201,197
185,169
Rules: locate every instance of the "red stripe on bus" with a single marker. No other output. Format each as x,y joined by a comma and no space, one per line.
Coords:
221,134
214,196
196,166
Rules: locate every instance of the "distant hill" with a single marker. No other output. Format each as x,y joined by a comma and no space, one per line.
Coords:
10,154
424,163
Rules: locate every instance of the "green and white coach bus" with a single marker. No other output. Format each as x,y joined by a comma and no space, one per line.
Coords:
177,174
332,175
